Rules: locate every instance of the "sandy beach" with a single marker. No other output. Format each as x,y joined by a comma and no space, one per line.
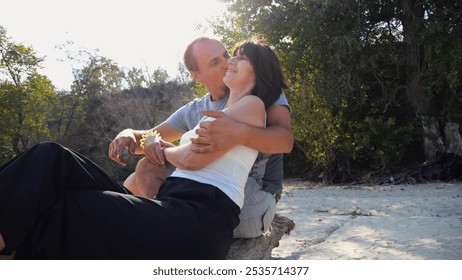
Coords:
394,222
343,223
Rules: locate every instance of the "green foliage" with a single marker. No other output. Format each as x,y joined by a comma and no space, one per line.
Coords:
443,54
103,100
198,90
363,74
134,78
354,108
159,76
183,76
100,75
26,98
8,128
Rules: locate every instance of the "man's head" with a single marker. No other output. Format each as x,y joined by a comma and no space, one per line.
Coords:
206,60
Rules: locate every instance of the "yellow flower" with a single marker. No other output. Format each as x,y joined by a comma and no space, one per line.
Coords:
149,133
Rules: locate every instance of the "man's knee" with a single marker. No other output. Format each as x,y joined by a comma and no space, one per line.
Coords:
130,184
256,215
146,167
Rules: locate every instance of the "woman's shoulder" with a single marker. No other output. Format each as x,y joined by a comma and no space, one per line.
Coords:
250,101
252,98
249,109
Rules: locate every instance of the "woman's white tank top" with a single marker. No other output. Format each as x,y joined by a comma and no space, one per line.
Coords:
228,173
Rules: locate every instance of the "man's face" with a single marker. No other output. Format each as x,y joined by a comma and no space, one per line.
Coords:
212,60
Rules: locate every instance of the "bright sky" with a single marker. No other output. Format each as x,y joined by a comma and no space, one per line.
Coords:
133,33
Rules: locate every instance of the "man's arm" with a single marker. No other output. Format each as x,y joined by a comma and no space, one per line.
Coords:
130,138
225,131
170,130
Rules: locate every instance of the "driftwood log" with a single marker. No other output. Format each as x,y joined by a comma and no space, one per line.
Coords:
260,248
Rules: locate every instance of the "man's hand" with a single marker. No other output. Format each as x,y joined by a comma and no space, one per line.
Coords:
124,140
216,135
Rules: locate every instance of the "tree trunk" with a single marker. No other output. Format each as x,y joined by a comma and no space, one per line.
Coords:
412,24
453,139
413,15
433,143
260,248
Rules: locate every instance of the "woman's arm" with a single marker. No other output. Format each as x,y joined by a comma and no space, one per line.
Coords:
249,110
277,137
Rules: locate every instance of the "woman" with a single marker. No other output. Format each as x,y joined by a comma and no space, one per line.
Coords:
56,204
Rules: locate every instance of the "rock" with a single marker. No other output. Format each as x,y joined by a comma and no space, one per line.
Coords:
260,248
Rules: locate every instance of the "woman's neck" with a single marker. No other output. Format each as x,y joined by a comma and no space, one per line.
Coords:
236,94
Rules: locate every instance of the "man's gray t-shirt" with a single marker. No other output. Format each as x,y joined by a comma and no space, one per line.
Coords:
188,116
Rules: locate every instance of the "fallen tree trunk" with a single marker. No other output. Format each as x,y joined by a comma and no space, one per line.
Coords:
260,248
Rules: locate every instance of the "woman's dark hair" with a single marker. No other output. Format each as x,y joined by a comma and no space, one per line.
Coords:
269,78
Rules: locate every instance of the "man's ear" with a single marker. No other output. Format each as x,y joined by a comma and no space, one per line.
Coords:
196,76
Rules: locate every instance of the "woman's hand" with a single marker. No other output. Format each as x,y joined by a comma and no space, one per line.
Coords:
153,150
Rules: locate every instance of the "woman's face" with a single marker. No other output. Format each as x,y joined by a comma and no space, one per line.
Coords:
240,72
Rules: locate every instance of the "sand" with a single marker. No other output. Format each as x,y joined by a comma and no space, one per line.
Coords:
394,222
